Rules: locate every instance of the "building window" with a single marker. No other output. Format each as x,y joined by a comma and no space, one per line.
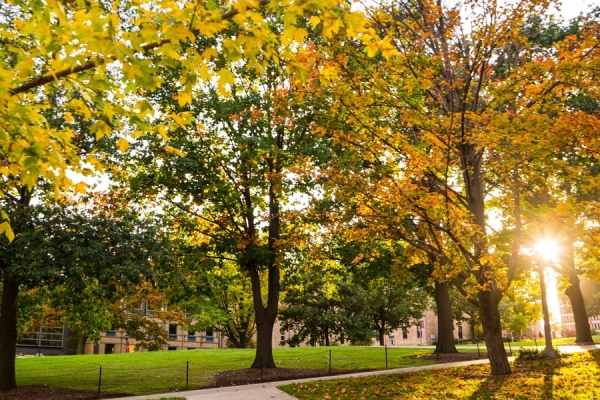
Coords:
419,333
392,340
111,333
173,331
404,333
191,336
210,338
460,332
109,348
282,338
172,347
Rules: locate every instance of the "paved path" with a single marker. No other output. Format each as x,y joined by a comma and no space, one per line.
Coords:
268,390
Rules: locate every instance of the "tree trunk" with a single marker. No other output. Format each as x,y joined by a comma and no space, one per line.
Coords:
582,327
445,340
8,334
81,339
492,332
264,345
573,292
381,337
472,327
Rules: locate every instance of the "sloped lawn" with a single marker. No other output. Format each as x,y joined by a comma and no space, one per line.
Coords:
170,371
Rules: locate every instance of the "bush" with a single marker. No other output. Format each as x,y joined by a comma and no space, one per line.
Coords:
569,333
535,354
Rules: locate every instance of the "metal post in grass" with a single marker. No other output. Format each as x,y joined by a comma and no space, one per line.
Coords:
100,380
386,360
478,352
329,361
261,367
187,374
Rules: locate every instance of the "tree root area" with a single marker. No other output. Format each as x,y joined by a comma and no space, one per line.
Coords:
55,393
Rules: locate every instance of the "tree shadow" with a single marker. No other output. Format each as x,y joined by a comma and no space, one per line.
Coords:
492,386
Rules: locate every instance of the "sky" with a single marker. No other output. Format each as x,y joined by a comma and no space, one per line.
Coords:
572,8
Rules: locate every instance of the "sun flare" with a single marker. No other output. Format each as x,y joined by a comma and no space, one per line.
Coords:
547,249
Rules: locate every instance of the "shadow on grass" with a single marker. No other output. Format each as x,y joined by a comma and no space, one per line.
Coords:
493,387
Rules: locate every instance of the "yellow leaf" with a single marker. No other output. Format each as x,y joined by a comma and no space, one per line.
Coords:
80,188
123,145
175,151
358,258
225,77
7,230
327,75
314,21
184,98
163,132
101,129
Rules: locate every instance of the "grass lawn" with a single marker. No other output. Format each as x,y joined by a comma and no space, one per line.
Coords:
574,377
540,342
163,371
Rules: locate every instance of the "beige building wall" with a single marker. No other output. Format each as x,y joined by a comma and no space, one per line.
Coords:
414,335
115,342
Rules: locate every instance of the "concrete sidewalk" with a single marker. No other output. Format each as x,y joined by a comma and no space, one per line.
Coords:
268,390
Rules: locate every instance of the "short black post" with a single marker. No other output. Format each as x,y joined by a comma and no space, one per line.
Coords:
510,348
386,360
100,380
329,361
187,374
261,367
478,352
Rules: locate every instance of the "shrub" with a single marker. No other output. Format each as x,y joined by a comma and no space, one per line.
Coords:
569,333
535,354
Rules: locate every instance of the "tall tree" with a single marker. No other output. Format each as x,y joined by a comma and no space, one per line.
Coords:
227,180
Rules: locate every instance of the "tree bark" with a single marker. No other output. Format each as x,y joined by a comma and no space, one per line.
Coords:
265,317
445,341
573,292
381,337
582,327
81,339
492,332
8,334
264,345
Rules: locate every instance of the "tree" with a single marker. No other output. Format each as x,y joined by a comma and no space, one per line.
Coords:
392,305
216,295
226,180
465,311
521,305
56,247
313,312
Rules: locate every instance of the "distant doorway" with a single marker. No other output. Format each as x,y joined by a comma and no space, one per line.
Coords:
109,348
